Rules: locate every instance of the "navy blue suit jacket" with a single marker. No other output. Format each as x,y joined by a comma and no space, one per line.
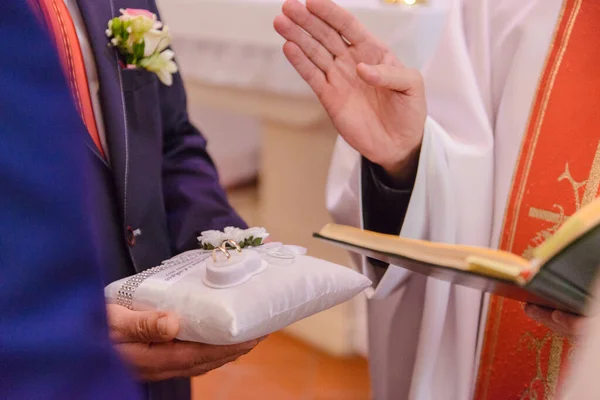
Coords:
160,181
53,336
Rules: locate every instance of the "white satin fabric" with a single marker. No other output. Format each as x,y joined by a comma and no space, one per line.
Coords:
480,82
234,304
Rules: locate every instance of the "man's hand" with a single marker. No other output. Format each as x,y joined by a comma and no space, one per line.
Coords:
145,339
375,102
559,322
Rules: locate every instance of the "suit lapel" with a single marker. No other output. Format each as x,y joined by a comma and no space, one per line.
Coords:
96,14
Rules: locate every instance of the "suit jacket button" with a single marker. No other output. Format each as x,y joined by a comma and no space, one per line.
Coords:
131,236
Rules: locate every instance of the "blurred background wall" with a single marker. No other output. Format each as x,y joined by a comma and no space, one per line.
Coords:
270,139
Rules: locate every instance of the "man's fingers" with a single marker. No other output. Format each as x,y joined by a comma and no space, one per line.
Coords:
325,34
391,77
339,19
559,322
161,361
178,356
211,353
543,316
569,322
305,67
128,326
188,372
203,369
309,45
196,371
537,313
244,349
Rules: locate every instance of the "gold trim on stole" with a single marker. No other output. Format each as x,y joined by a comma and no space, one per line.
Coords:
554,58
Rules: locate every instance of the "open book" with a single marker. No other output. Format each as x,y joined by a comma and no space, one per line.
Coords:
560,274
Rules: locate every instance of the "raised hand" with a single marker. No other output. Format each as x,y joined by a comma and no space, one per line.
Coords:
145,339
375,102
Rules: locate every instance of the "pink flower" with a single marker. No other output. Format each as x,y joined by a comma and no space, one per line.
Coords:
143,17
137,12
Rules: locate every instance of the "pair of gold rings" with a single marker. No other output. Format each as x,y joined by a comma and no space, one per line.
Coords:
223,249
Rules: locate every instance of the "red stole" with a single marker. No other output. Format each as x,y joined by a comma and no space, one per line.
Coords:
557,172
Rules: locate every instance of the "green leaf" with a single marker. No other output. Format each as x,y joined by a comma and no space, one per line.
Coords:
142,49
257,242
116,27
138,50
124,33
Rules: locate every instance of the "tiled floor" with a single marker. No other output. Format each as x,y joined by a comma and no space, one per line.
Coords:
282,368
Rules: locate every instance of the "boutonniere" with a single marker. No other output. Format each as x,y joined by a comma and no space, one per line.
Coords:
251,237
143,40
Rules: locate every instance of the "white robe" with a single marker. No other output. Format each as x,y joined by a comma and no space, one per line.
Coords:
425,334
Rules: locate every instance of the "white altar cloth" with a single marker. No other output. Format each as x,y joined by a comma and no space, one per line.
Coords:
233,43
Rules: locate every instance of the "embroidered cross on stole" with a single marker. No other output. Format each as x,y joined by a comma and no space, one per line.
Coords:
557,172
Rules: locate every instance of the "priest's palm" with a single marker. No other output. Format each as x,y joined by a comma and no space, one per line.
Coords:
375,102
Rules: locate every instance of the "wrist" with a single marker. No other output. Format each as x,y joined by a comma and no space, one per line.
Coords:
402,173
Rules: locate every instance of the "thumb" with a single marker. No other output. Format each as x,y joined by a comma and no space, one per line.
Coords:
128,326
400,79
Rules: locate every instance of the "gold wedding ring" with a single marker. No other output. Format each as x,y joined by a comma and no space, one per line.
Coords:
223,249
234,244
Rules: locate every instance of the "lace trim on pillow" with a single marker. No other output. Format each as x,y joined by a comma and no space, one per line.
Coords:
127,290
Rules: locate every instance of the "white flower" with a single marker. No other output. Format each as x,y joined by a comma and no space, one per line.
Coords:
235,234
156,41
140,25
256,233
214,238
143,41
240,236
138,22
162,65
